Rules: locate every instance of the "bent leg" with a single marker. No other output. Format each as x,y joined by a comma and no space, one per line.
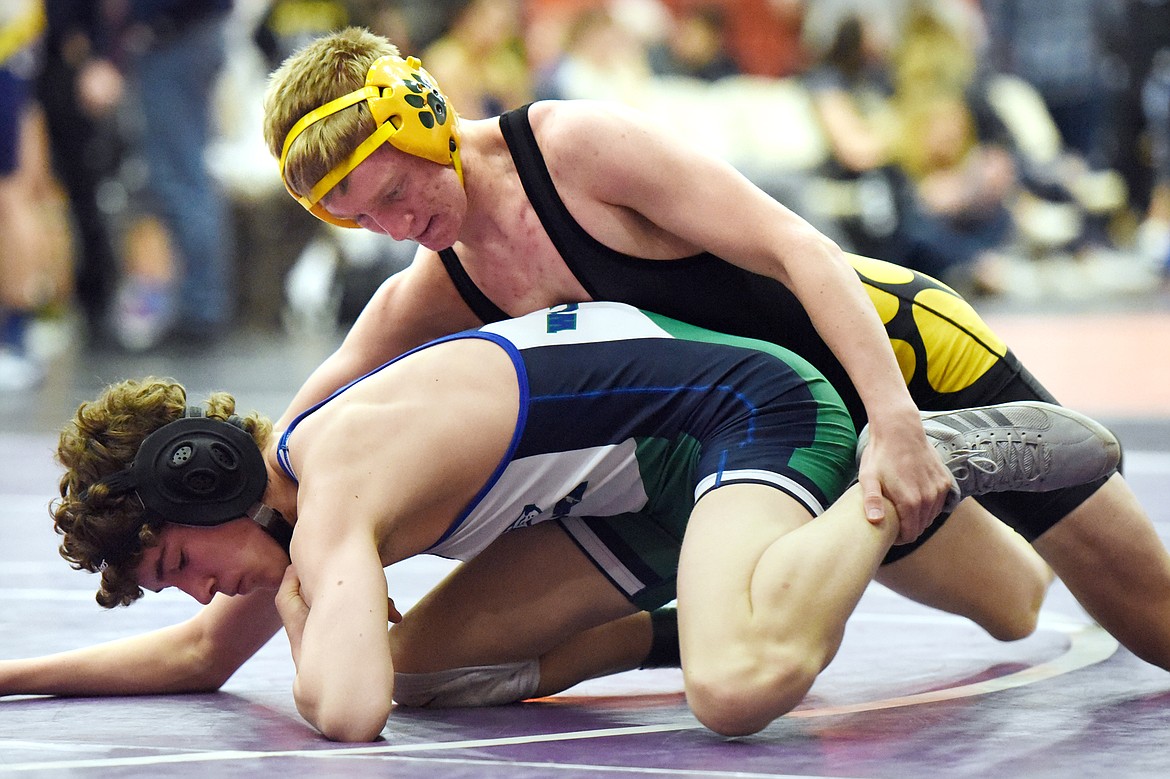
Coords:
763,595
527,594
977,567
1109,555
616,646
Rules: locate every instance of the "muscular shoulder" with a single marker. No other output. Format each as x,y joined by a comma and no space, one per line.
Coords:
609,150
392,453
576,127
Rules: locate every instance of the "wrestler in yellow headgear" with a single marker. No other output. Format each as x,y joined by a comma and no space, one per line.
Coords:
410,112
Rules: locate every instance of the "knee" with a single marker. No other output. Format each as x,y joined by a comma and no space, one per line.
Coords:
738,697
1014,625
1017,617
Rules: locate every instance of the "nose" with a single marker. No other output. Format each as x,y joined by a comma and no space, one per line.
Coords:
201,589
398,226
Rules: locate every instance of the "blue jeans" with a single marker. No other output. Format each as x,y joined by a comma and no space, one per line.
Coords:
175,81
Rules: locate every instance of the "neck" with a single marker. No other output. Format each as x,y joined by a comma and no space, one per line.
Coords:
281,493
487,168
273,523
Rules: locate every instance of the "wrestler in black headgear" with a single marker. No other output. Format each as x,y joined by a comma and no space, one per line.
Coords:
202,472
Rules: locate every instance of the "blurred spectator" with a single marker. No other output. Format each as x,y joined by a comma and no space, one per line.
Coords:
955,154
84,146
177,276
1051,78
288,25
1143,123
1156,100
918,171
1058,47
481,55
306,276
851,91
602,58
34,250
696,46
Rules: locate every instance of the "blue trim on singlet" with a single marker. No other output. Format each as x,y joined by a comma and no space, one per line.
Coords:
722,469
521,423
282,454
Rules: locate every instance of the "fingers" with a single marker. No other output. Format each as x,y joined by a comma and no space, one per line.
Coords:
873,499
395,615
290,585
290,603
910,476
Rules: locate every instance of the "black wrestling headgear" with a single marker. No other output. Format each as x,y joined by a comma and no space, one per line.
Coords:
196,471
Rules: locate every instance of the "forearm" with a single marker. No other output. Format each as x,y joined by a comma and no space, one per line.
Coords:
344,692
340,644
197,655
153,663
845,317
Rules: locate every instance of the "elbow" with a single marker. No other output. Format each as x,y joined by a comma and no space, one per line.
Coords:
215,674
346,718
353,726
202,667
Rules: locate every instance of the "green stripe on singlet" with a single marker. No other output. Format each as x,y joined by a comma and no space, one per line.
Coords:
834,426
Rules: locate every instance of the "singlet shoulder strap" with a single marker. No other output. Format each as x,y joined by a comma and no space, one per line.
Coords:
573,243
479,303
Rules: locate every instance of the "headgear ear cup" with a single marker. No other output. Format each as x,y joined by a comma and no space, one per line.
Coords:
203,472
426,126
196,471
410,112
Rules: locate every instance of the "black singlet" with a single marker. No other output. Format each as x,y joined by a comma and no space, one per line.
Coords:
939,339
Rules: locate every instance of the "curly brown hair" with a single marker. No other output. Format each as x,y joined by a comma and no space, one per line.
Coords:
107,533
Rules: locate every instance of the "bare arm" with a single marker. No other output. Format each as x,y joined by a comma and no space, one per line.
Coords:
743,225
385,468
415,305
336,622
198,655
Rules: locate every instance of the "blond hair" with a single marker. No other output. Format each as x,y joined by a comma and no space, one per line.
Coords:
327,68
108,533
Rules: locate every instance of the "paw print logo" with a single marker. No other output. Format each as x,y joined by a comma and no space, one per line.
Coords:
424,96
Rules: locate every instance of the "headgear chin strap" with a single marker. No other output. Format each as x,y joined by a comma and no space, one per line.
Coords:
410,113
202,472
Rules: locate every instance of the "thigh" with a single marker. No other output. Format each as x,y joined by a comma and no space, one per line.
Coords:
757,570
976,567
1110,556
528,592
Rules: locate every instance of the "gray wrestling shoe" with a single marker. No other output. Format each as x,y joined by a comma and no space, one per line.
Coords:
1025,446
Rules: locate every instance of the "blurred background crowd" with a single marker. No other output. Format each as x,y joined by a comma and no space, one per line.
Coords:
1013,148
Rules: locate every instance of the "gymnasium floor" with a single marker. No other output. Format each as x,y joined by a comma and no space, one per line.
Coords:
913,693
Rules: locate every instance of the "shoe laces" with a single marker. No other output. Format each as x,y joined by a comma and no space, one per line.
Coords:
1004,461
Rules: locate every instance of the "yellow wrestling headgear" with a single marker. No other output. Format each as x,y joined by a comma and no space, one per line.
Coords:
410,112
